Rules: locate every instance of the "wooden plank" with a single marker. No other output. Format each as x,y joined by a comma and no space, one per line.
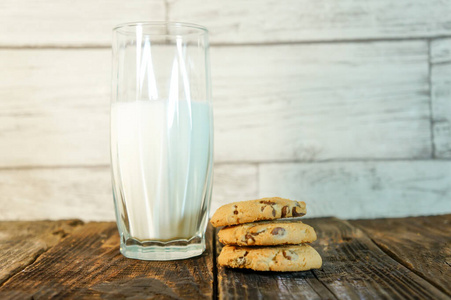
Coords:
88,264
64,23
55,107
441,95
440,51
353,268
299,102
67,23
236,182
366,101
362,189
22,242
247,284
303,20
85,192
422,244
60,193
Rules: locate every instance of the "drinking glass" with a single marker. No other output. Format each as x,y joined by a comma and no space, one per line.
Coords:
161,139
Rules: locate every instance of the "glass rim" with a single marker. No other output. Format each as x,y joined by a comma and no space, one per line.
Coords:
201,30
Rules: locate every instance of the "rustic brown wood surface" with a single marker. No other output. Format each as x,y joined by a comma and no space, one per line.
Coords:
353,268
422,244
389,258
22,242
88,265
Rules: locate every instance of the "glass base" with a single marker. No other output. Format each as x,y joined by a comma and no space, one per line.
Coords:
172,250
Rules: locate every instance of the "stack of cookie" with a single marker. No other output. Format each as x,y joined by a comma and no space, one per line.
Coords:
255,237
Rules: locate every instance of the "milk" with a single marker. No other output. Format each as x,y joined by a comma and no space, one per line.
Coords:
162,159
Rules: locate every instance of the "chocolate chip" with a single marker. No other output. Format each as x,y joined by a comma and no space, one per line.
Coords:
257,233
286,255
241,261
267,202
249,237
278,231
245,253
273,212
285,211
295,212
235,212
263,208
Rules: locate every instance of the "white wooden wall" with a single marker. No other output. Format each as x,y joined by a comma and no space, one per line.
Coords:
344,104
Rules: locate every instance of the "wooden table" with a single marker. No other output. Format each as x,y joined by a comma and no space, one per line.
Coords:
364,259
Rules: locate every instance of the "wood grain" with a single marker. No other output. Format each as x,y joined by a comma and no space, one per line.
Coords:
65,23
441,95
366,101
85,192
324,20
54,107
88,265
22,242
85,263
299,102
440,51
346,189
355,268
365,189
232,183
422,244
56,193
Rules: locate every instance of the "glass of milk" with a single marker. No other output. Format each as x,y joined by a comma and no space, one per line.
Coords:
161,139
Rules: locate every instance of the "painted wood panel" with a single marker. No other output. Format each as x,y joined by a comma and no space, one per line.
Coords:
64,23
440,51
56,193
323,20
362,189
85,192
274,103
86,23
54,107
441,96
322,102
235,182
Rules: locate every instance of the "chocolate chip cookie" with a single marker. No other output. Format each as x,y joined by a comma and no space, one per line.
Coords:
267,234
282,258
257,210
